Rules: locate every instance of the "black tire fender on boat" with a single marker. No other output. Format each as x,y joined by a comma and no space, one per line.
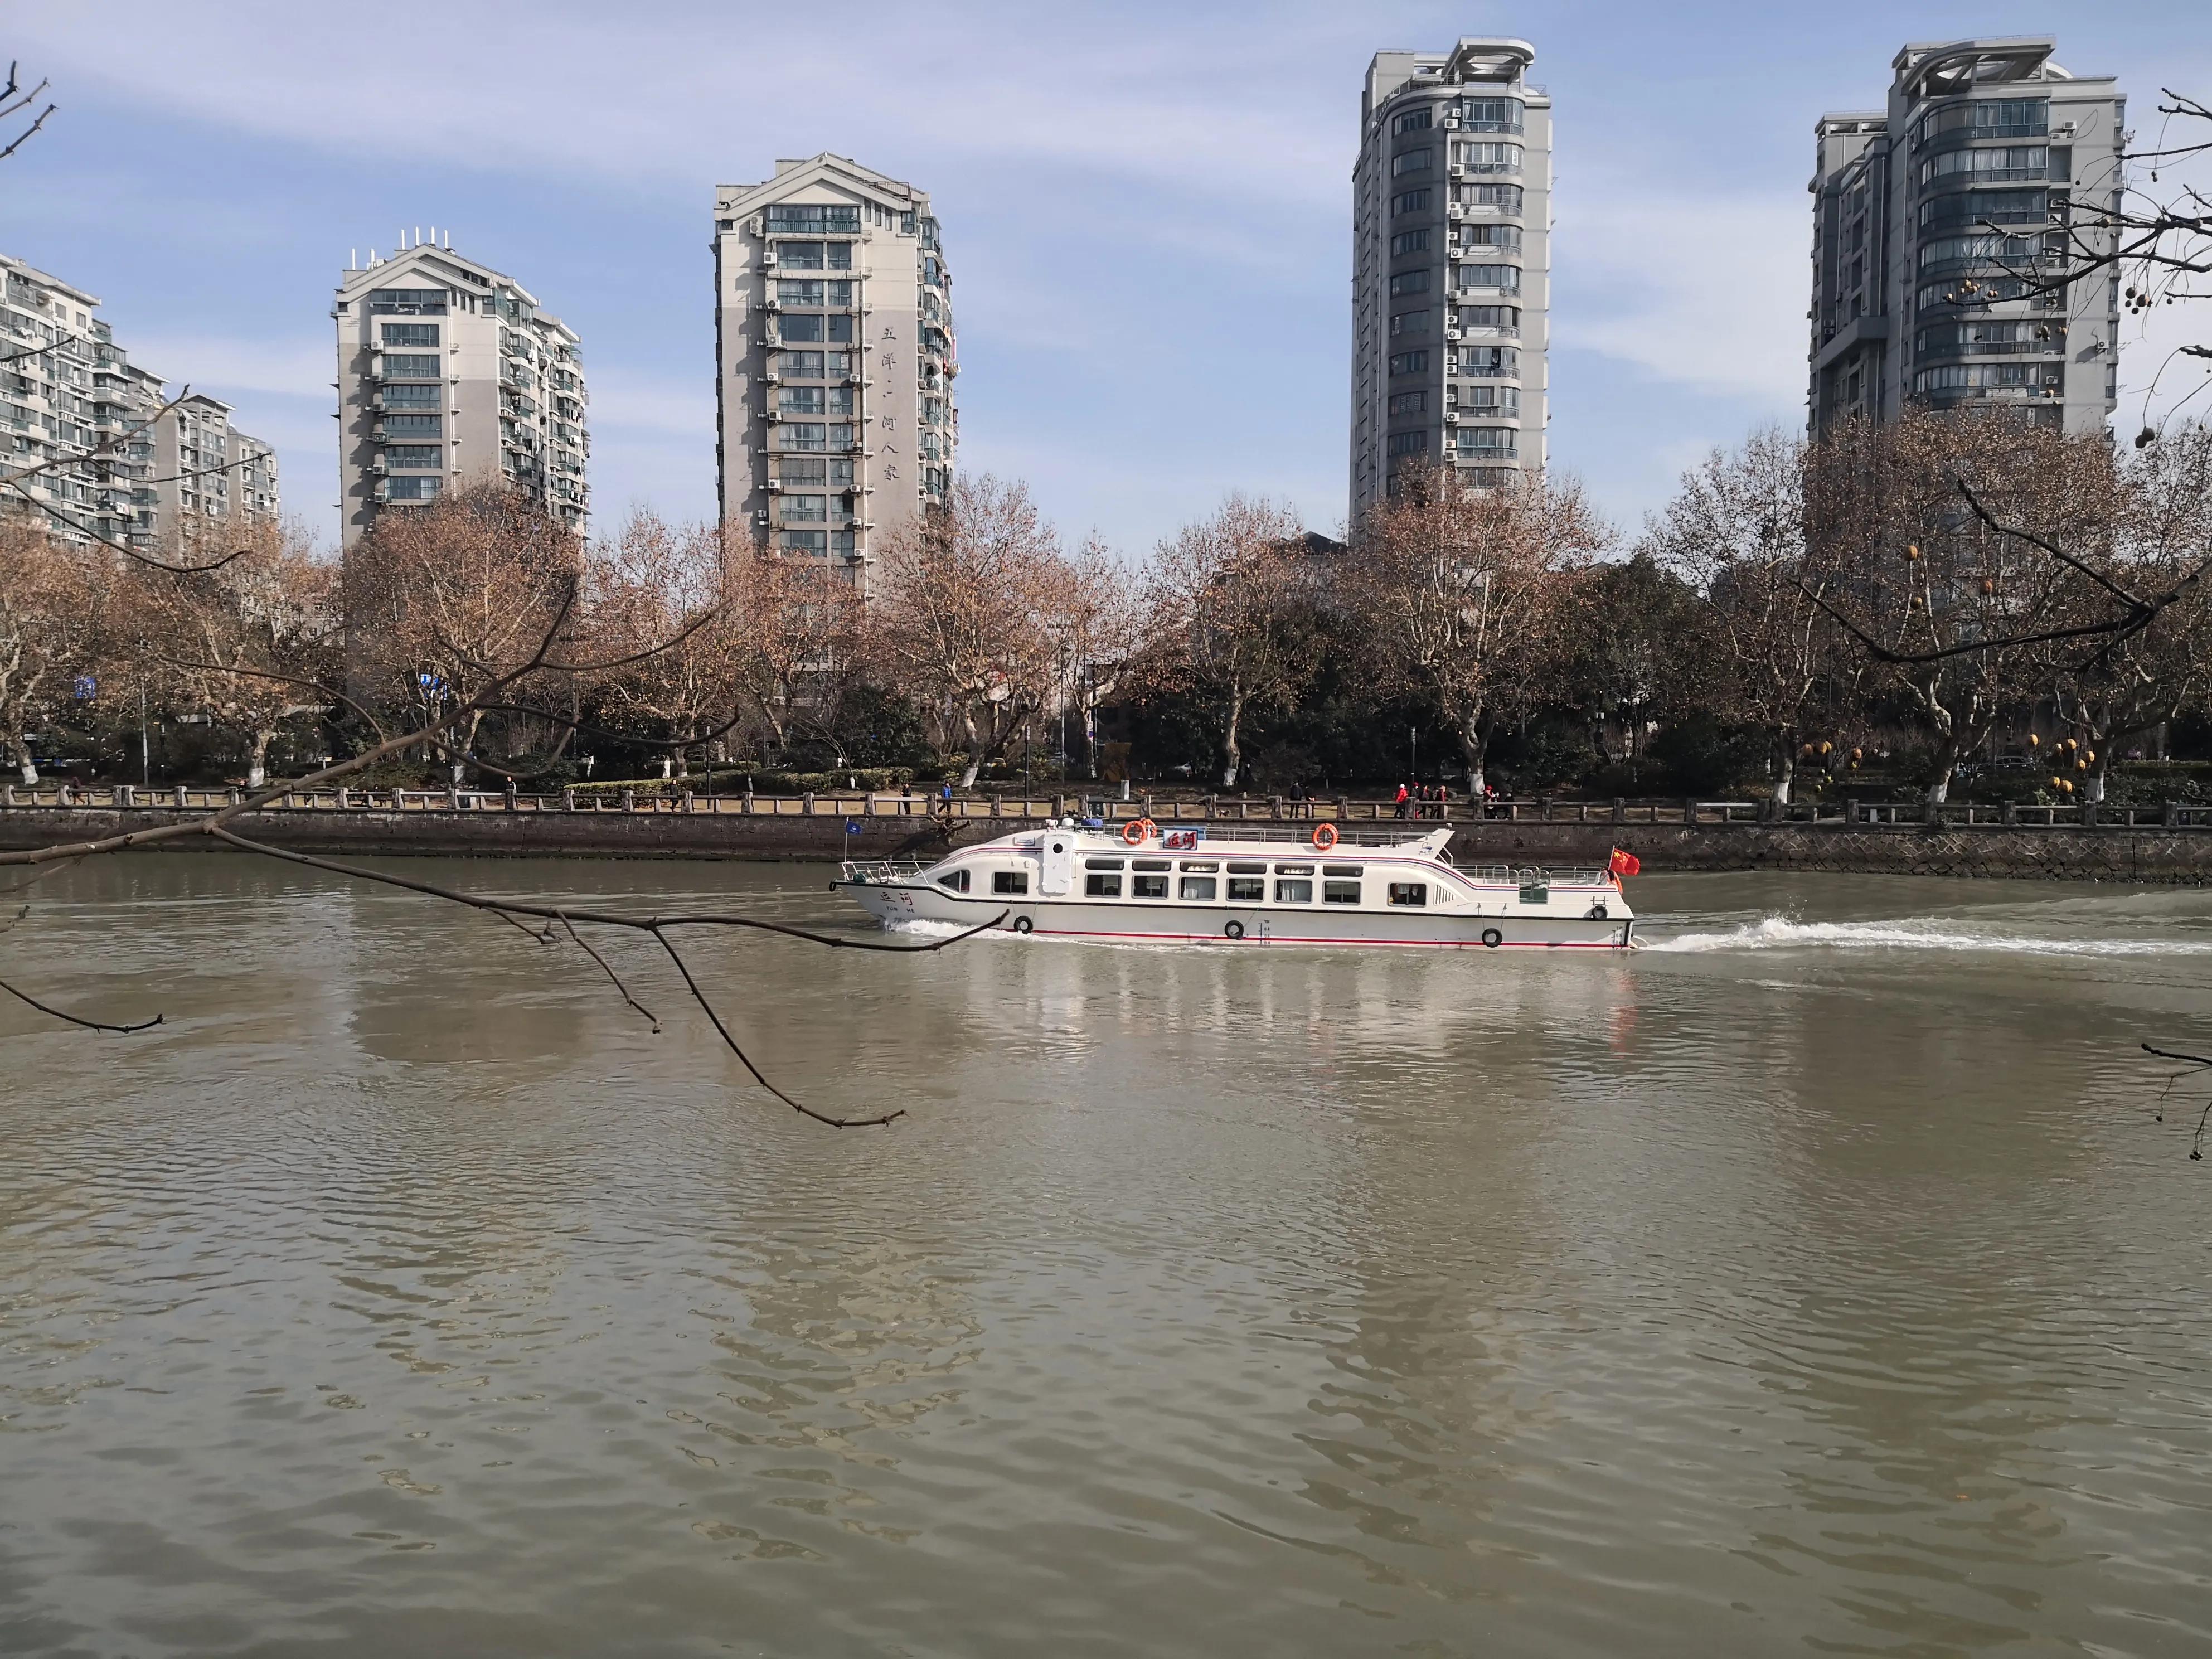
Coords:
1022,924
1598,912
1492,939
1234,930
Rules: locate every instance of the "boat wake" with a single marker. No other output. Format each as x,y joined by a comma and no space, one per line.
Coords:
1910,933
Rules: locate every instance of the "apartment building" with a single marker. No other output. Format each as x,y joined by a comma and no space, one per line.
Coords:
134,474
835,356
450,374
1943,227
1451,266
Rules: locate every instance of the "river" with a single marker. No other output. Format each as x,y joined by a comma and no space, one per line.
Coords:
1818,1280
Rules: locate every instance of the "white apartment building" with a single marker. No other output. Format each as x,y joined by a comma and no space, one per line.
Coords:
449,374
834,358
1944,225
134,477
1451,266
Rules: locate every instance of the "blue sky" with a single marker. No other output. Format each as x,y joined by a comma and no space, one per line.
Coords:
1146,208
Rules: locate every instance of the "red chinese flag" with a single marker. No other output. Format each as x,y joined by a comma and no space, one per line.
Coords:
1625,864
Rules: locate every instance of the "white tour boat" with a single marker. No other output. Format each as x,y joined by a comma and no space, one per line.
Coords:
1231,884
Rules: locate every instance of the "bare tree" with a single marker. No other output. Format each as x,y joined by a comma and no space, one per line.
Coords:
443,600
49,629
1229,596
1957,551
654,581
1093,618
1735,533
1462,593
18,105
800,638
958,616
247,644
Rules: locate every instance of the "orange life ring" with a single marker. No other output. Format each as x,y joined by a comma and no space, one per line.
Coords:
1135,831
1324,837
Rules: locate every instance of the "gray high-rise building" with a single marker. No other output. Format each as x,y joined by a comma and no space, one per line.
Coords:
835,356
134,472
450,374
1939,224
1451,266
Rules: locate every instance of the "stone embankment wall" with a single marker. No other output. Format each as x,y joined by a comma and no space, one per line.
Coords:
2066,852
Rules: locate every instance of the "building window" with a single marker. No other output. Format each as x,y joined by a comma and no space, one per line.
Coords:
799,256
1977,378
1409,201
1409,402
1489,236
1409,362
802,325
1490,400
1506,278
407,302
800,509
804,435
408,334
1413,160
1489,442
1986,206
1492,114
1488,362
1406,443
799,365
1409,322
418,487
1989,118
1409,242
801,399
1414,120
413,426
412,397
804,471
1999,165
1489,158
422,457
803,540
804,292
801,218
1409,281
840,543
1506,198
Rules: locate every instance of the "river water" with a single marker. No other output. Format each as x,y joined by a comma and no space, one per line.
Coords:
1819,1280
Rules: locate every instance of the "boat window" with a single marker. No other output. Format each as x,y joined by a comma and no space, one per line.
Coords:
1294,869
1148,886
1247,869
955,879
1409,892
1536,892
1009,881
1208,866
1199,887
1340,892
1293,892
1150,864
1102,885
1352,869
1101,864
1248,889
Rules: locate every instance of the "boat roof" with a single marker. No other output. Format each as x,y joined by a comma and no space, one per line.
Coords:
1272,841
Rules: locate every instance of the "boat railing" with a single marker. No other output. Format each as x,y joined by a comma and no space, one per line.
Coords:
881,870
1531,875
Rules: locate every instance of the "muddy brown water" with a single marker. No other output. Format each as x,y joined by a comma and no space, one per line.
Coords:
1817,1280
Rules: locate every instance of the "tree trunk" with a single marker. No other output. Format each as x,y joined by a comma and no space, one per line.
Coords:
1232,753
256,765
1785,766
2092,788
30,772
1474,750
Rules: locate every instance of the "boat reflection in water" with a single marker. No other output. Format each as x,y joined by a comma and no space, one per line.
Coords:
1193,886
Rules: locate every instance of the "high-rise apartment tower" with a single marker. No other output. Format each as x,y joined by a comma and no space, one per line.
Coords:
835,359
1451,266
1943,227
450,374
134,472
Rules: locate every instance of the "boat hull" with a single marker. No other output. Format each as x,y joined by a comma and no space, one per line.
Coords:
1155,923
